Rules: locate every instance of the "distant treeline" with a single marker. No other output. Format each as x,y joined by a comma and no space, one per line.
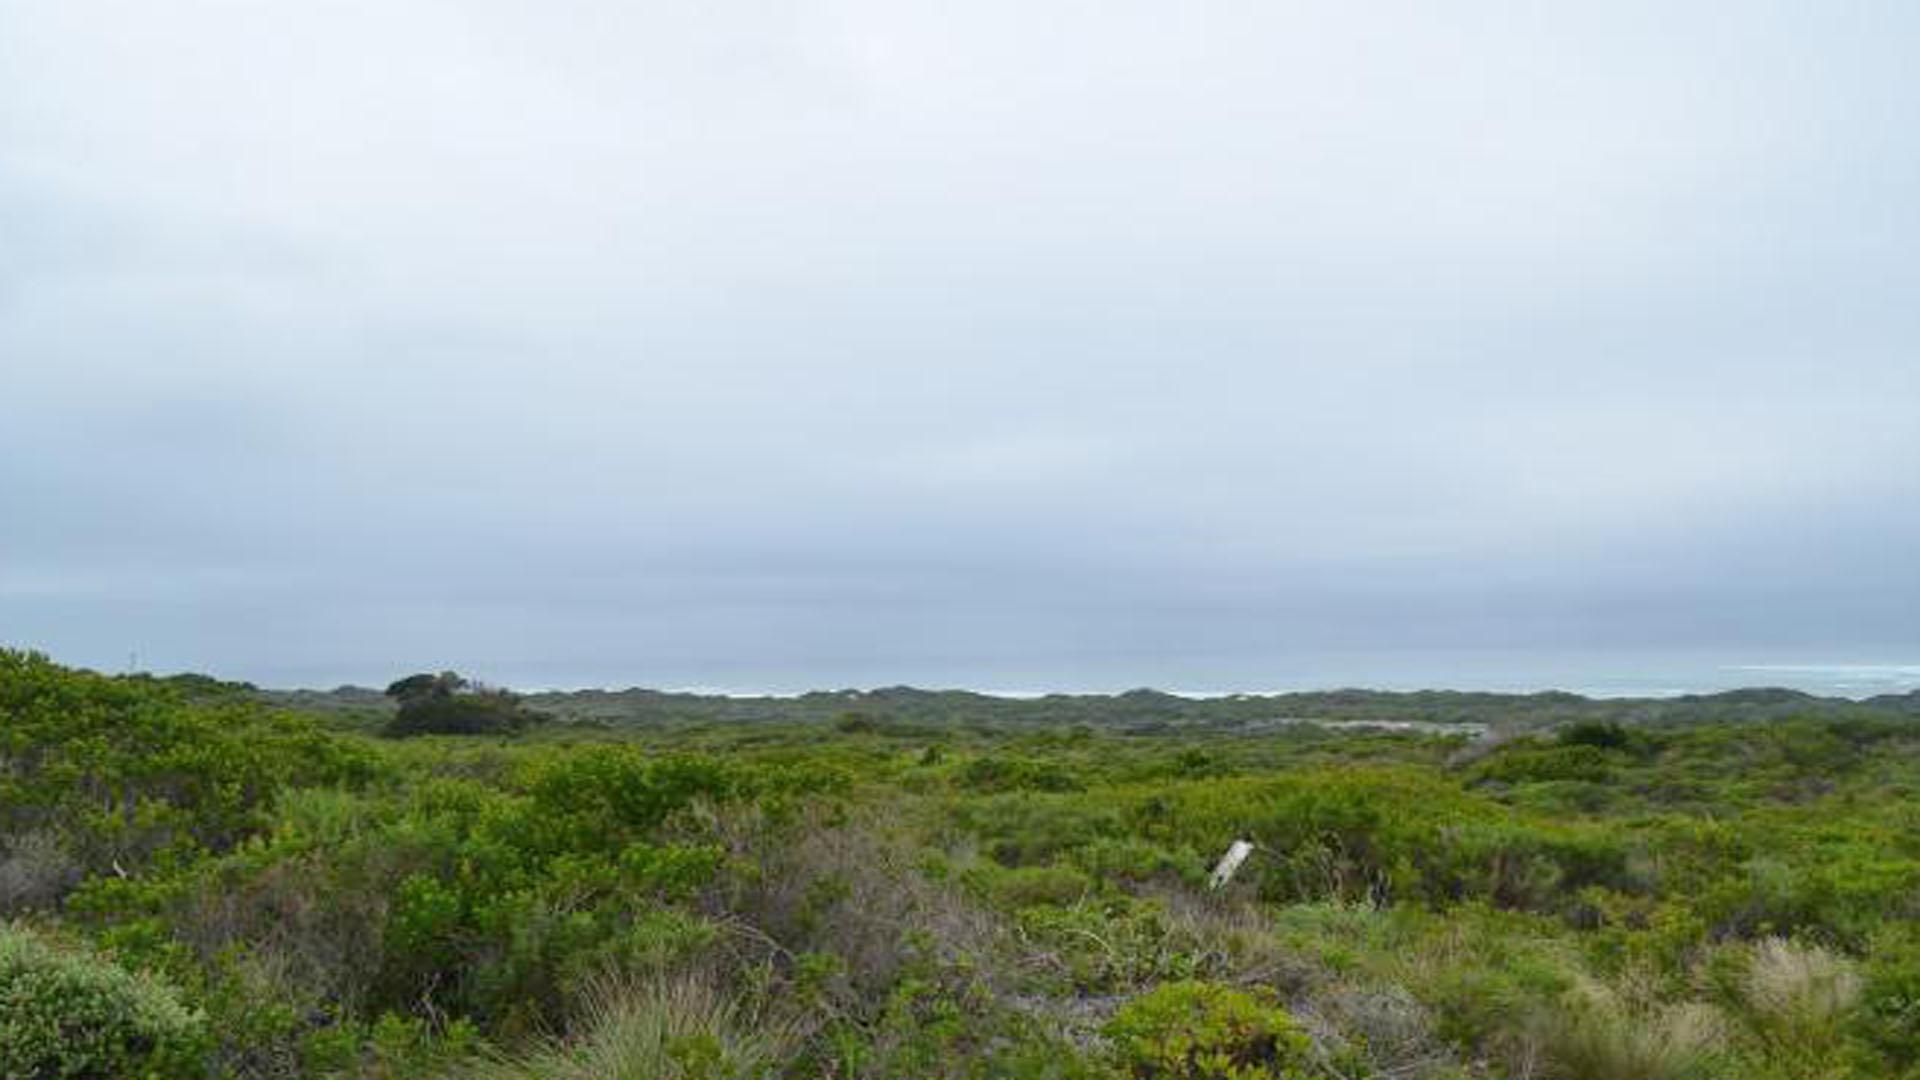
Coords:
1139,711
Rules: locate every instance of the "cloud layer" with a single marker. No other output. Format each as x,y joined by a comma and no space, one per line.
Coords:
1073,344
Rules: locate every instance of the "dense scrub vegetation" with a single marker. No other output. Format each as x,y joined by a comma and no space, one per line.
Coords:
195,883
1138,712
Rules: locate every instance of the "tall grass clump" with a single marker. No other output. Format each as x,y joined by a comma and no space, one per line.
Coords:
677,1029
1802,987
1798,999
1606,1032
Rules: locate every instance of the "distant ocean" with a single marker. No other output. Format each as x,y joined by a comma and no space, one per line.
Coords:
1655,677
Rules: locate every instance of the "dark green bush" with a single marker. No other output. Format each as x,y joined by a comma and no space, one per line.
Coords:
447,704
1604,734
1889,1021
1017,774
1528,764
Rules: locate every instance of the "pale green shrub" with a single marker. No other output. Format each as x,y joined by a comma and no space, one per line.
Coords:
1194,1030
66,1014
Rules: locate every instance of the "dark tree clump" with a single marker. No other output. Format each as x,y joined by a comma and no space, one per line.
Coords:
447,704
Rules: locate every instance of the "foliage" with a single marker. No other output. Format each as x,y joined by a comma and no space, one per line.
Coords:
992,773
899,883
1194,1030
450,704
67,1014
103,773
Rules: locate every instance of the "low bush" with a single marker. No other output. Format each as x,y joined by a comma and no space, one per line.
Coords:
1017,774
1027,886
1524,763
1192,1030
1888,1020
68,1015
128,771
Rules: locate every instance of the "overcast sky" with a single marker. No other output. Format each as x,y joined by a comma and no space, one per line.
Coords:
986,343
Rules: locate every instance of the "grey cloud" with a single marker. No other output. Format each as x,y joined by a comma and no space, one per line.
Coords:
787,344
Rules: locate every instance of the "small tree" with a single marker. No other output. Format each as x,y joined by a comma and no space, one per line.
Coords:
449,704
415,689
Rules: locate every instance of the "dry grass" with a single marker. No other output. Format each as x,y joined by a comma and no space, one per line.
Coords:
36,870
1623,1032
324,941
1232,941
1380,1032
1799,986
850,889
677,1029
1796,1000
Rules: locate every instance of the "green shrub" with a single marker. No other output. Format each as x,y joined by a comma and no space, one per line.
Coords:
74,1015
1193,1030
1102,947
1026,886
124,770
1017,774
1522,763
1028,829
1889,1021
617,792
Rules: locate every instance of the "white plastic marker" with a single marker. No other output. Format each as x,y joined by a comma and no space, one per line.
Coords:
1229,863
